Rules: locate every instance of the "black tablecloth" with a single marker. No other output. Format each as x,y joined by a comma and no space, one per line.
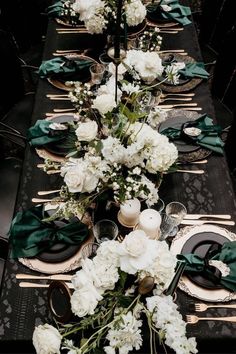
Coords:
23,309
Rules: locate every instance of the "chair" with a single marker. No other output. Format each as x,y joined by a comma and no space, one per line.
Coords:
3,256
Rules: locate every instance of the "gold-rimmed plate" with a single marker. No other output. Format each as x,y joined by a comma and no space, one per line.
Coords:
68,85
185,85
66,266
57,151
191,156
186,284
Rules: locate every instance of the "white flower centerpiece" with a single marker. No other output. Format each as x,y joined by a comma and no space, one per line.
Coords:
118,297
99,16
117,155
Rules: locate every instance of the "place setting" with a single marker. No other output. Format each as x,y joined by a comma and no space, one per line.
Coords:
62,71
167,14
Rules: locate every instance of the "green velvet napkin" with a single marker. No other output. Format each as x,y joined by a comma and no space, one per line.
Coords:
209,137
66,69
196,69
227,255
29,235
41,134
177,13
56,9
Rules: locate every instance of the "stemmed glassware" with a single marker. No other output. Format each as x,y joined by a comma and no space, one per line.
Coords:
174,214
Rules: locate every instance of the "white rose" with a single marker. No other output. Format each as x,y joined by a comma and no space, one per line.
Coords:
78,179
104,103
87,131
84,300
137,252
46,339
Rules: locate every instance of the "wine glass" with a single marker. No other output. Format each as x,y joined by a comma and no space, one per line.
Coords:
174,214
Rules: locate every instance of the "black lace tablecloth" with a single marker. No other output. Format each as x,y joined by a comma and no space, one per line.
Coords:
23,309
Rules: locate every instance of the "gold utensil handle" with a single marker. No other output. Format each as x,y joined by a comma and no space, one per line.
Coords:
197,172
227,319
46,277
202,222
25,284
198,216
48,192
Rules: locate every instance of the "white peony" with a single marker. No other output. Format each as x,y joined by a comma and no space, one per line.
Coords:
135,12
87,131
156,116
147,64
96,23
46,339
87,9
163,267
137,252
104,103
84,300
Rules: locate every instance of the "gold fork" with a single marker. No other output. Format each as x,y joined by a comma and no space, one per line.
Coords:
192,319
203,307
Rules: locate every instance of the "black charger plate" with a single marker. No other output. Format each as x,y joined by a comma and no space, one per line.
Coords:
199,244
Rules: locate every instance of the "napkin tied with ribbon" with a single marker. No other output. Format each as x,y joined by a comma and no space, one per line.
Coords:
66,69
209,137
196,69
177,12
219,264
30,235
41,134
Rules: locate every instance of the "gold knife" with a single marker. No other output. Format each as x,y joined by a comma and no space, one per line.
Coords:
47,277
201,222
25,284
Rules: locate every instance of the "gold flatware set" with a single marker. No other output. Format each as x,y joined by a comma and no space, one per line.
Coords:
201,219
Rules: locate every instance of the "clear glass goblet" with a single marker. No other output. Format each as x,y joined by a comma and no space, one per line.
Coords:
174,214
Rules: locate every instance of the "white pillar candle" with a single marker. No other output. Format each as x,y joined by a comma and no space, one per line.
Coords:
150,221
129,211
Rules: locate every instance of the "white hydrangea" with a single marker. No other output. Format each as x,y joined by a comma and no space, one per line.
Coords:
96,24
166,316
124,334
163,268
112,150
156,116
135,12
163,155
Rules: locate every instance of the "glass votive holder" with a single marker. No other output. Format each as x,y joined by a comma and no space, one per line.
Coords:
105,230
105,60
89,250
158,206
97,72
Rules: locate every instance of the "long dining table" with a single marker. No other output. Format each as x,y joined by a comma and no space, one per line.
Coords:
21,309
